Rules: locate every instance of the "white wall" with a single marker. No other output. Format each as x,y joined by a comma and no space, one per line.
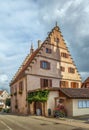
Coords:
79,111
51,100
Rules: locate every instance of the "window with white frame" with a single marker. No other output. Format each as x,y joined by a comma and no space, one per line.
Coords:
80,104
83,104
88,104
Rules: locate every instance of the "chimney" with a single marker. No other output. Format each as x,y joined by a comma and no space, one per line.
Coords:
31,49
39,43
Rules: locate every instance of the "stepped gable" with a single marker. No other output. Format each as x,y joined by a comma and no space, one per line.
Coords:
56,33
53,34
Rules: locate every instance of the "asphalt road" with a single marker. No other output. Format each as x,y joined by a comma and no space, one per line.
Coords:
13,122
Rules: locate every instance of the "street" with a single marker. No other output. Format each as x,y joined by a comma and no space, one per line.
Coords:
14,122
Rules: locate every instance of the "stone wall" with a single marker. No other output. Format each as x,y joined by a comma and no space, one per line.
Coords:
19,98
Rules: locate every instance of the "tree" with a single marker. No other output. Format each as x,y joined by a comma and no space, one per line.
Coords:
8,102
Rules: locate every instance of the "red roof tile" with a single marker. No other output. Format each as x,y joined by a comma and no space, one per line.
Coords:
1,92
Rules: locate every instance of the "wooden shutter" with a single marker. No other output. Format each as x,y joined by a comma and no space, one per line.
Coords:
69,70
48,65
62,68
40,64
77,85
42,83
20,85
71,84
60,83
50,83
66,84
74,85
50,51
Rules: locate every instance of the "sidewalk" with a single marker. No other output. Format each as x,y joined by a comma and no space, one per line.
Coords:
66,121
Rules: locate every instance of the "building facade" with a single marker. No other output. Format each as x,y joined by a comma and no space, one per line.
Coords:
49,66
85,84
76,100
3,96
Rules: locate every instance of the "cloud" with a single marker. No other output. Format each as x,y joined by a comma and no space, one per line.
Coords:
3,78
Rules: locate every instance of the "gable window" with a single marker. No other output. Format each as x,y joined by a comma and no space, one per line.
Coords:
45,83
63,84
74,85
56,40
44,65
71,70
62,68
48,50
65,55
20,86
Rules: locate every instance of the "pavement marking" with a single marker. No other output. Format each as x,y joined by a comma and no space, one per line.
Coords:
6,125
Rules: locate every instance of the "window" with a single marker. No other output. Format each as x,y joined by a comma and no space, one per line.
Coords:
44,65
83,104
62,68
71,70
48,50
63,84
56,40
74,85
65,55
88,104
45,83
80,105
20,86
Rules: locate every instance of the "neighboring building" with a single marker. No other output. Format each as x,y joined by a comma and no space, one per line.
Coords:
49,66
76,101
3,96
85,84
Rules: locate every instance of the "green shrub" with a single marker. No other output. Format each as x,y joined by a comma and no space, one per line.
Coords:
38,96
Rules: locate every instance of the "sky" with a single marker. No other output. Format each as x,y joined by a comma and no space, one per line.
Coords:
23,22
